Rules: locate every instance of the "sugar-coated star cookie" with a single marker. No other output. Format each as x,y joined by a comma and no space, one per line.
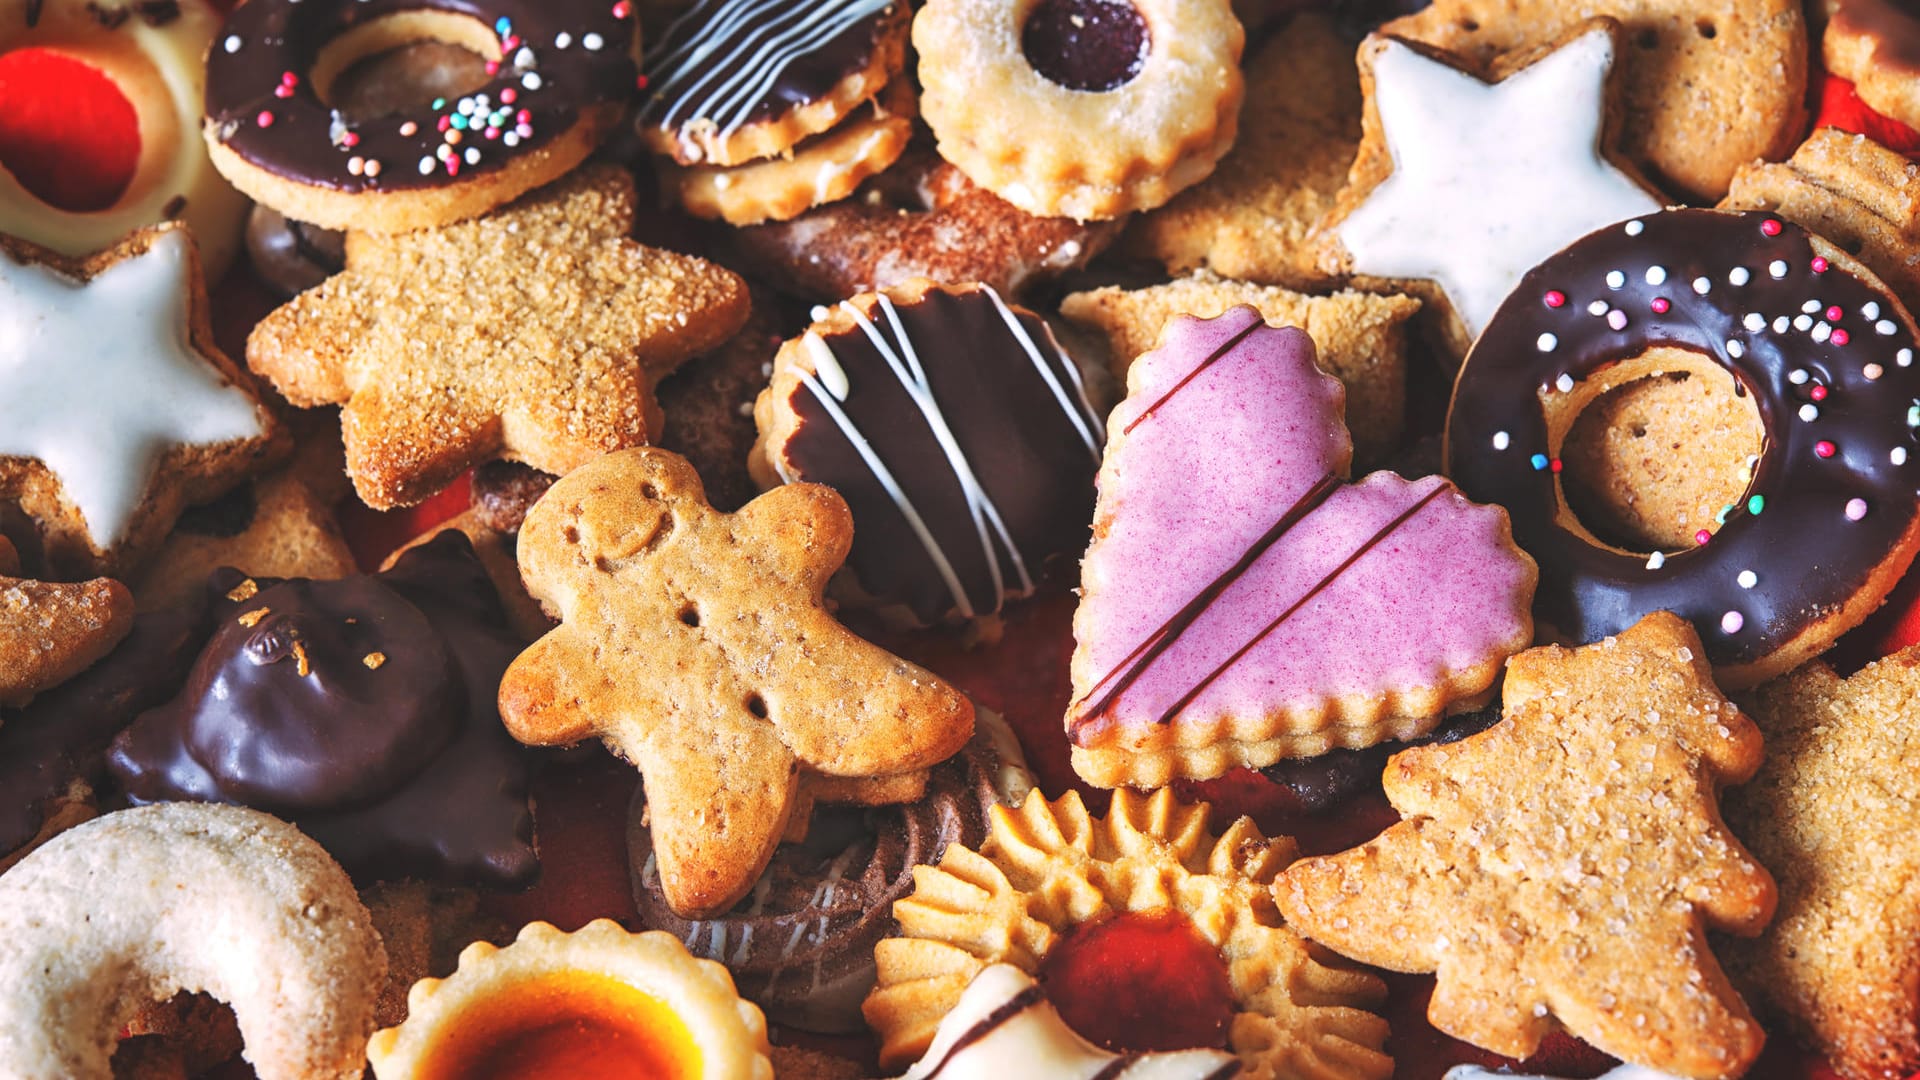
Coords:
1465,182
697,646
1832,811
116,407
1564,865
535,333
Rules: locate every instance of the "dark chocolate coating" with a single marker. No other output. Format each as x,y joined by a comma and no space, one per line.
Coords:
304,138
63,735
400,770
1806,553
292,256
301,650
801,943
722,43
501,493
1091,45
1026,449
1324,782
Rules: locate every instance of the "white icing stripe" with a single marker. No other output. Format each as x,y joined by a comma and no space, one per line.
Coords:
980,506
759,55
899,497
98,380
1095,438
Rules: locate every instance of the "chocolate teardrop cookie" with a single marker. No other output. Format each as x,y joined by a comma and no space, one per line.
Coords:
801,944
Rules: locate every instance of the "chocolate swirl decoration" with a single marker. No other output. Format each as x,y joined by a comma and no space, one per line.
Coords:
801,944
361,709
557,57
737,62
961,436
1828,358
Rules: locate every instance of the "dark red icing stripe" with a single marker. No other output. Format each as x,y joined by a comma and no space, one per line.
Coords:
559,56
1305,598
1142,657
1834,484
1226,347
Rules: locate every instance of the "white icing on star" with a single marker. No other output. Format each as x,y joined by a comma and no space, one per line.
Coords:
98,380
1488,180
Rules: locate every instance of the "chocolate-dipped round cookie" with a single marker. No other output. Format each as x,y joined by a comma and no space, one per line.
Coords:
1830,519
561,73
364,710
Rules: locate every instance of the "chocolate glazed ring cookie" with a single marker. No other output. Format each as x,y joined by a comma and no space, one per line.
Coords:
561,71
1830,519
801,944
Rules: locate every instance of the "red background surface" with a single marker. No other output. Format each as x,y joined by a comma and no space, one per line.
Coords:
67,134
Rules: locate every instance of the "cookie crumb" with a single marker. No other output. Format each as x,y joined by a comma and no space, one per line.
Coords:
374,660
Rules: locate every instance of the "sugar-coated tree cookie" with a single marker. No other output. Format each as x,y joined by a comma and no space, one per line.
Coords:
1564,865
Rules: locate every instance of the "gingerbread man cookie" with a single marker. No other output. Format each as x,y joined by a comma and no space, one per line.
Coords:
696,645
1582,892
116,407
535,333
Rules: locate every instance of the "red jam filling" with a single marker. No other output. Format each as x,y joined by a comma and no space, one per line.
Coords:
1141,982
1092,45
67,133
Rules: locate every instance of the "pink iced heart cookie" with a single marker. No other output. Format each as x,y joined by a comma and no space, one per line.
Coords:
1242,602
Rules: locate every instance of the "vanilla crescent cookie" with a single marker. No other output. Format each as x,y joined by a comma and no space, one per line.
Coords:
139,905
1087,109
1050,869
155,54
600,999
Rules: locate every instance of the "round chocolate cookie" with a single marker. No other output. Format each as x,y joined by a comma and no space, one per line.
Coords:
364,710
801,944
292,256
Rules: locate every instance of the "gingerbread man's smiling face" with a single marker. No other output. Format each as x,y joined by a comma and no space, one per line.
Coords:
695,644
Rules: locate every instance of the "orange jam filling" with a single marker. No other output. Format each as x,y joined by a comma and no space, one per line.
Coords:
1141,982
570,1025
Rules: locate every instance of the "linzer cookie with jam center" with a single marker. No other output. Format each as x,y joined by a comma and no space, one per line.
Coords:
361,709
960,433
1243,602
